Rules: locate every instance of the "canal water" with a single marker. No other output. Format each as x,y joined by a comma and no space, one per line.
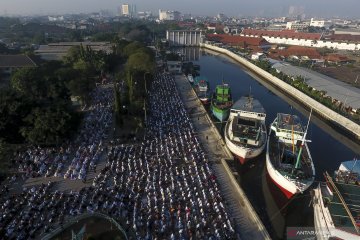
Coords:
328,148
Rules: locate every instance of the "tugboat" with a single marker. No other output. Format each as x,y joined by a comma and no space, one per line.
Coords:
221,102
245,131
336,208
202,88
288,160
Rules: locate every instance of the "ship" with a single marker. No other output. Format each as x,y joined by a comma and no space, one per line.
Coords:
288,159
202,88
336,203
221,102
190,78
245,131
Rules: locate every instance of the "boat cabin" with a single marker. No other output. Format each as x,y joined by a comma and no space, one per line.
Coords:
288,127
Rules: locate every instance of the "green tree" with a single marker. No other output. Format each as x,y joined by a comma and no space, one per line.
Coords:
140,61
132,48
81,87
47,125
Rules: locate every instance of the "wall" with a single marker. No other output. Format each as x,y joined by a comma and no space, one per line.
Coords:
184,38
311,43
351,127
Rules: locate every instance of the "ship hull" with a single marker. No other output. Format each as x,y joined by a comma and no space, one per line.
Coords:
287,187
204,100
220,114
285,184
243,154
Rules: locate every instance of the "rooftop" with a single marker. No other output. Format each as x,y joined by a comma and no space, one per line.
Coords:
282,34
16,61
237,40
249,104
312,53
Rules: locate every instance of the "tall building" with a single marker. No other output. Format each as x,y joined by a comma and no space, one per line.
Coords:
165,15
125,9
128,10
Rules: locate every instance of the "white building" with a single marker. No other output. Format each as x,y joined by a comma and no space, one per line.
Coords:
125,9
295,25
317,23
165,15
56,19
128,10
258,56
300,39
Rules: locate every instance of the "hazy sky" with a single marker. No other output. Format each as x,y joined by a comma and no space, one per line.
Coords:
328,8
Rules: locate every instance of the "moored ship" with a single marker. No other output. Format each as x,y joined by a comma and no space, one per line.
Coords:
245,130
221,102
336,203
202,88
288,160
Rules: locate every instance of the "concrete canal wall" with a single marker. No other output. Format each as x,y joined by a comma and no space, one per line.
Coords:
351,127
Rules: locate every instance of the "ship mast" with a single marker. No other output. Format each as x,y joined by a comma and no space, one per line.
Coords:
297,165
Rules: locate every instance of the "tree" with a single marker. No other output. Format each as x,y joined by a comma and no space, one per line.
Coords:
13,108
117,105
29,82
47,125
140,61
132,48
73,55
81,87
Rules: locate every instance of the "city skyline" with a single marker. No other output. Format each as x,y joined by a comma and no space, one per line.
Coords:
320,8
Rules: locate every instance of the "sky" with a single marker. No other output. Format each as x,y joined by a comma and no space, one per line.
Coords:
320,8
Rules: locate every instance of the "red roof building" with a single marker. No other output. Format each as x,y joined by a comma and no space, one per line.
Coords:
337,58
235,40
298,51
281,34
343,38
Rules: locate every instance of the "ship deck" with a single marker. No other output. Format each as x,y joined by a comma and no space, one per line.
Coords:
351,195
284,160
246,129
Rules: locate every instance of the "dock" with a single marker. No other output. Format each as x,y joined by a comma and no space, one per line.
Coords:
247,223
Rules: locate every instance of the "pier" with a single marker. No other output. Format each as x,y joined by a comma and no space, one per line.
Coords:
247,223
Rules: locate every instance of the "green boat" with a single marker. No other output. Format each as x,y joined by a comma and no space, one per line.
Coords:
221,102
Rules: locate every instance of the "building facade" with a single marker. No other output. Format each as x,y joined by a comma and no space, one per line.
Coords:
317,23
128,10
184,37
165,15
295,25
300,39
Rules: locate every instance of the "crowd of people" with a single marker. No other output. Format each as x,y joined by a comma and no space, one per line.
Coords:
160,188
78,156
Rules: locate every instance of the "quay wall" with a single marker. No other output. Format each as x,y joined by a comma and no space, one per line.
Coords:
349,126
244,201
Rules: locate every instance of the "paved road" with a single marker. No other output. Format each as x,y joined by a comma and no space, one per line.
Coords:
213,146
341,91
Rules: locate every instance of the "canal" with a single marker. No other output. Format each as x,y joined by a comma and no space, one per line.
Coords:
328,148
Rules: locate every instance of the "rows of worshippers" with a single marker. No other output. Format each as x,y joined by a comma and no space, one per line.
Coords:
173,191
75,159
161,188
